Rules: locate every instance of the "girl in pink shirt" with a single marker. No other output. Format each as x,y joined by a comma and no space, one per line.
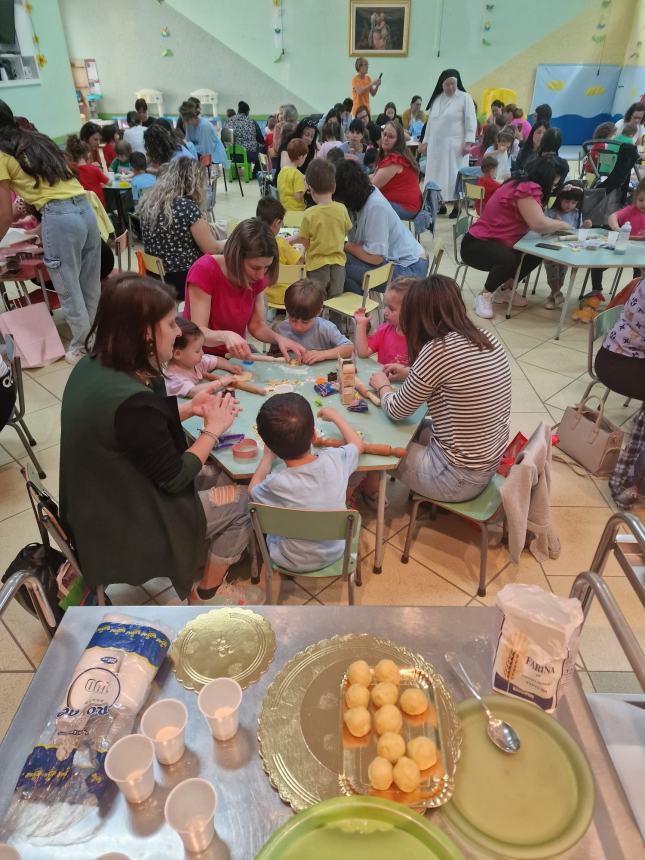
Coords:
635,214
387,341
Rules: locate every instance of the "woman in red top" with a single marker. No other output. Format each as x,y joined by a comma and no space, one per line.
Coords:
89,175
224,293
397,172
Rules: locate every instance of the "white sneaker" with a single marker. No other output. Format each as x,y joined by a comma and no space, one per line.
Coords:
484,305
554,301
501,297
73,356
231,594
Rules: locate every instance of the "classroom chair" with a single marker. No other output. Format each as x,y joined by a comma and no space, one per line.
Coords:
16,419
287,275
316,525
121,246
599,328
459,230
437,254
293,218
375,280
240,164
154,265
473,192
231,224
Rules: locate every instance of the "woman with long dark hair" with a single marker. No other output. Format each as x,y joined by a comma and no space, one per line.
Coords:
397,173
32,166
530,148
462,374
91,134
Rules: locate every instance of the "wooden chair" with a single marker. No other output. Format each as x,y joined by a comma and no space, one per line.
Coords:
155,266
373,280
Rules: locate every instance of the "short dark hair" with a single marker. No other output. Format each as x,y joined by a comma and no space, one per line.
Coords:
348,103
353,187
141,105
132,118
489,162
189,331
108,133
129,308
415,99
357,125
269,210
243,107
335,155
303,300
497,103
551,141
543,113
321,176
604,131
542,171
285,423
138,160
296,148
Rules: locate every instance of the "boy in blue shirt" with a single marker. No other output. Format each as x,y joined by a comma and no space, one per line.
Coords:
140,179
311,481
303,302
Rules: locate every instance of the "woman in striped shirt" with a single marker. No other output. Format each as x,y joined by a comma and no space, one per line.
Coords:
461,372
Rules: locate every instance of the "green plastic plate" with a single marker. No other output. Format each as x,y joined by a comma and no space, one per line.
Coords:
360,828
531,805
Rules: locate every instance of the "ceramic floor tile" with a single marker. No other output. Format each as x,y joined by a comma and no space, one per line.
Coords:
516,342
27,630
15,532
615,409
615,682
571,489
525,324
553,356
12,658
56,381
527,572
38,372
396,514
49,460
13,687
579,530
43,425
524,398
527,422
5,457
122,594
37,397
586,682
545,382
13,495
157,585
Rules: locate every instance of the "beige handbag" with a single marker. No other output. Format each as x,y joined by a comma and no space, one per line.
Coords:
590,438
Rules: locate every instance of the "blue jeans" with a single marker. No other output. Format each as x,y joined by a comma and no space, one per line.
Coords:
401,211
355,269
72,247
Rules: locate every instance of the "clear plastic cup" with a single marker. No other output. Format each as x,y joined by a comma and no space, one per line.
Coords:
612,238
190,810
164,722
583,232
129,764
219,701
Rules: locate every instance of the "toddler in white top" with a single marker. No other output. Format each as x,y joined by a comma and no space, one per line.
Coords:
189,370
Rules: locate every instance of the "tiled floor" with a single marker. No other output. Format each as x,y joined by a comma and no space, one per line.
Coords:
547,376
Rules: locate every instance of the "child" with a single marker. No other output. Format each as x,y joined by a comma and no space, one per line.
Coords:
604,131
635,214
496,108
271,211
388,341
566,207
91,177
319,481
501,154
487,180
140,178
627,134
291,182
189,367
518,120
109,136
322,340
331,137
323,230
268,134
122,164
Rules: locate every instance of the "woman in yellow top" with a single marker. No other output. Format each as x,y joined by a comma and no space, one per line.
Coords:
362,86
34,168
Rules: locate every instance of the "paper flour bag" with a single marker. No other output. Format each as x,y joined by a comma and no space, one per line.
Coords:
537,645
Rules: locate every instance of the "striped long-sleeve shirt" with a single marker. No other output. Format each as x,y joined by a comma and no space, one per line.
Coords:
468,392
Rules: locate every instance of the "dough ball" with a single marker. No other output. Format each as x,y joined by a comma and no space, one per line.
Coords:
391,746
384,694
413,701
406,774
423,751
357,696
379,773
388,719
387,670
359,673
358,721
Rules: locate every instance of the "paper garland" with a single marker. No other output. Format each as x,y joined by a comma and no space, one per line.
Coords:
41,59
488,16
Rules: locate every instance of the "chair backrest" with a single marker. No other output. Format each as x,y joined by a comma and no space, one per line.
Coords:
231,224
16,372
601,326
459,230
376,278
121,244
293,218
305,524
238,152
154,264
474,191
226,135
437,254
288,275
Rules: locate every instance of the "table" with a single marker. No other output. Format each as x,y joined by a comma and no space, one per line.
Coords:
118,203
574,259
249,809
374,425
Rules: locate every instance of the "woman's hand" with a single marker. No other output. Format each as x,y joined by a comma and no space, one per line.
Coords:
286,345
236,345
219,413
396,372
587,223
378,380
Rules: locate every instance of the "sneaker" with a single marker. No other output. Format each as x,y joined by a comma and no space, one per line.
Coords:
500,297
73,356
231,594
554,301
484,305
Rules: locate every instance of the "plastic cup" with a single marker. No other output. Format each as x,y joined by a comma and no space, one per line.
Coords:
164,723
190,810
219,701
612,238
129,764
583,232
111,176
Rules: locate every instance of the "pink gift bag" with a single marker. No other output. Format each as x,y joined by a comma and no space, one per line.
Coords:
35,336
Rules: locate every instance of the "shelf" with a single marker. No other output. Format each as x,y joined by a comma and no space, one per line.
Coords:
21,82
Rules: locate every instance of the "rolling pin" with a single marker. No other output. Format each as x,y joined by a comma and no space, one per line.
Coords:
368,447
260,356
243,385
366,392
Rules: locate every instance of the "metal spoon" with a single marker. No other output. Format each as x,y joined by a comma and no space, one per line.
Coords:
502,734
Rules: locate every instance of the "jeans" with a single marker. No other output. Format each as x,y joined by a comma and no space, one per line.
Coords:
355,269
72,247
228,527
401,211
496,258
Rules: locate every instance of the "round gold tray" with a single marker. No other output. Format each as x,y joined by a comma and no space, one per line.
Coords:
298,732
226,643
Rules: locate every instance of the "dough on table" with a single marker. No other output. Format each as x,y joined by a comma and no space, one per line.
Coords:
357,696
423,751
388,719
387,670
359,673
413,701
379,773
358,721
391,746
384,693
406,774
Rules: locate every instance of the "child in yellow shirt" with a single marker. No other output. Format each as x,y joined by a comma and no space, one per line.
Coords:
271,211
324,229
291,182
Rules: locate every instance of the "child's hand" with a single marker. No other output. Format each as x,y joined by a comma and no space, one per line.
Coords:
328,413
361,317
312,356
222,382
229,367
587,223
396,372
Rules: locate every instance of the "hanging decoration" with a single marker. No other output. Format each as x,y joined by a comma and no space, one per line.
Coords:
599,34
41,59
278,38
165,32
167,53
488,17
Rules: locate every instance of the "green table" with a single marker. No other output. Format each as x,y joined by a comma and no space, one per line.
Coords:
374,426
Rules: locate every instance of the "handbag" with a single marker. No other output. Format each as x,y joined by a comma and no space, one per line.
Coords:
594,206
589,438
35,336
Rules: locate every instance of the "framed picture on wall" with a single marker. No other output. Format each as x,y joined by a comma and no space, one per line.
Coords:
379,28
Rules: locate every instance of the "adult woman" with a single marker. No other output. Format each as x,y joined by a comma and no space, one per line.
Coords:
173,223
32,166
530,147
287,114
90,134
413,118
224,292
512,211
307,131
397,172
379,235
389,115
141,107
462,373
129,484
202,133
354,146
450,132
362,86
550,148
161,146
635,115
183,148
372,129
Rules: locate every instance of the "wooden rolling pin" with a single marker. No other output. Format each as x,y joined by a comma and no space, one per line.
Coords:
260,356
243,385
368,447
366,392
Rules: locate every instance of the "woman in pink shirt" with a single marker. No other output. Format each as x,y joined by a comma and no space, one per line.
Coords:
515,208
224,293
